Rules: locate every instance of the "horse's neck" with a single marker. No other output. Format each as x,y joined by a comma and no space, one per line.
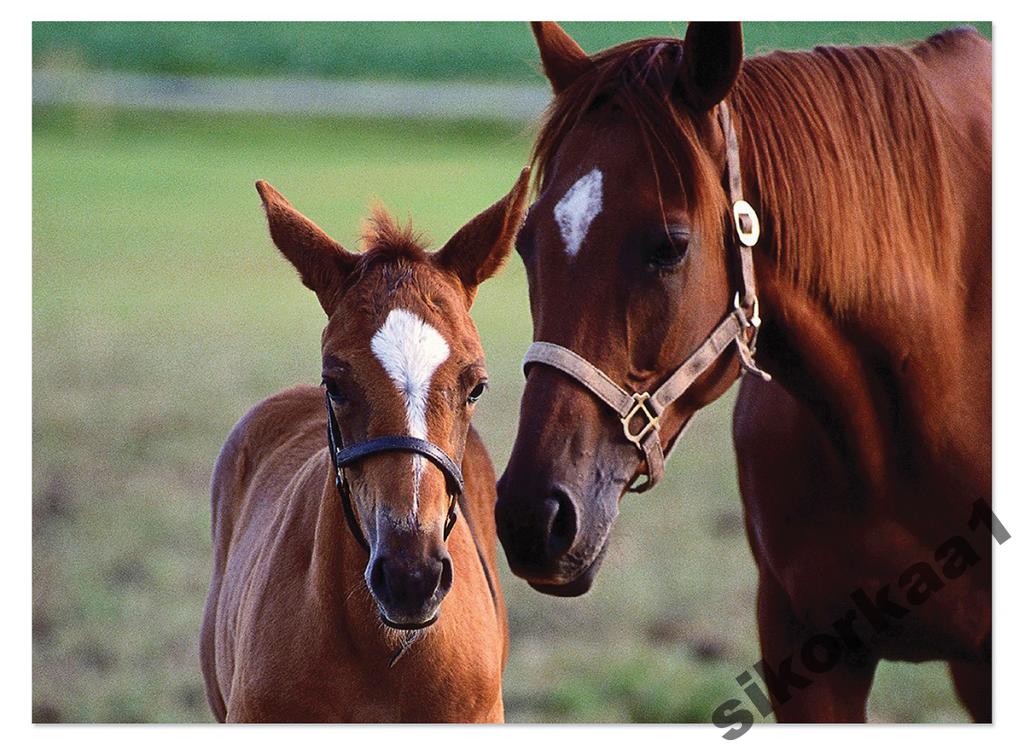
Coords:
888,384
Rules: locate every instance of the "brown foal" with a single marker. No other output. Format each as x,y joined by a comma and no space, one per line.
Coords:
315,617
870,169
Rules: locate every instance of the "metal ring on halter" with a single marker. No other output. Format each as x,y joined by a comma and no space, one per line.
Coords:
755,310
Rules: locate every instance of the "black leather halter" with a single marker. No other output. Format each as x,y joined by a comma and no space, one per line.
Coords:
342,456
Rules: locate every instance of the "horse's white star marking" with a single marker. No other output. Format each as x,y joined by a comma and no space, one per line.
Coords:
578,208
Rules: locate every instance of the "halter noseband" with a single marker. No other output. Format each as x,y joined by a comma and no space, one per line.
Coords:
735,328
342,456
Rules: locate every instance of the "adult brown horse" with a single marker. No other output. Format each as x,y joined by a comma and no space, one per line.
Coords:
870,169
330,564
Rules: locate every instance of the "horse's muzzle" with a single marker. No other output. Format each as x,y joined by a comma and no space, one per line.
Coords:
547,540
578,586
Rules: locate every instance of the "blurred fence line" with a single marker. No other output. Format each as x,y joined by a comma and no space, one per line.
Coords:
438,100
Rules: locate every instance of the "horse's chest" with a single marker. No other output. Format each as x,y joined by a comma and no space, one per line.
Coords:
914,590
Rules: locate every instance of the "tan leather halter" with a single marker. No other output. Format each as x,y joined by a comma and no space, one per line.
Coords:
739,326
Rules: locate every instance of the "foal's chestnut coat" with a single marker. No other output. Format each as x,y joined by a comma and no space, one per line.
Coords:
291,631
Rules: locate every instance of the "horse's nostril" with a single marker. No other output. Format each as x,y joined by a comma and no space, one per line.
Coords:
562,528
378,579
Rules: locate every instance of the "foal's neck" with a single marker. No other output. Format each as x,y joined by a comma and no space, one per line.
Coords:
337,587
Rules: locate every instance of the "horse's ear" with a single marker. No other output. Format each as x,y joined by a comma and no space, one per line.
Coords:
479,249
563,59
322,262
712,56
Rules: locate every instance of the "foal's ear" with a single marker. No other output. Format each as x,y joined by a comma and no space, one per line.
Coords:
563,59
479,249
322,262
712,55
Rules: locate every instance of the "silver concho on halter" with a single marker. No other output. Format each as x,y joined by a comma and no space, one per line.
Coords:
748,227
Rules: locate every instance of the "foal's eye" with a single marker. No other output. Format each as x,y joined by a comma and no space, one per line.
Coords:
333,390
477,392
669,251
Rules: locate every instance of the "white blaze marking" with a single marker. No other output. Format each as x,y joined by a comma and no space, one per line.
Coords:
410,350
578,208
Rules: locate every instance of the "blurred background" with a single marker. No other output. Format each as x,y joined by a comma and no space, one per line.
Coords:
161,313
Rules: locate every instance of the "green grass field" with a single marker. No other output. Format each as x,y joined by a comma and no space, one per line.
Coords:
430,51
162,312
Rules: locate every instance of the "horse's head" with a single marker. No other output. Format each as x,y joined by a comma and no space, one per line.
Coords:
624,251
401,357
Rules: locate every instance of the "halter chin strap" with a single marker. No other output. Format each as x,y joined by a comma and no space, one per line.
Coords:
739,326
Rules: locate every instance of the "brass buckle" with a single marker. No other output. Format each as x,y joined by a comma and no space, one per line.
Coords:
639,406
749,230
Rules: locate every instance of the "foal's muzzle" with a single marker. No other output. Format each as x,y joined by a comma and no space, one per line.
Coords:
409,586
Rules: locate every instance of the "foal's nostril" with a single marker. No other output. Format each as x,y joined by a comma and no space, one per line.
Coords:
411,585
378,580
445,582
562,525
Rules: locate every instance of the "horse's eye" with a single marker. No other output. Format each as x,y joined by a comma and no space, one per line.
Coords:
477,392
669,251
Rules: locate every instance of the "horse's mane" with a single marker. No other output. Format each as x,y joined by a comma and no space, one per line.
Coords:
846,145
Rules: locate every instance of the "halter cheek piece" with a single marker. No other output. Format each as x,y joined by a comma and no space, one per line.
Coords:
739,326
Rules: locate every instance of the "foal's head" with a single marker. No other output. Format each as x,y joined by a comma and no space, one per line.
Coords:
627,267
401,357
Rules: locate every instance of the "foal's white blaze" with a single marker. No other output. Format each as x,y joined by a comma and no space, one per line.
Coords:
410,350
578,208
